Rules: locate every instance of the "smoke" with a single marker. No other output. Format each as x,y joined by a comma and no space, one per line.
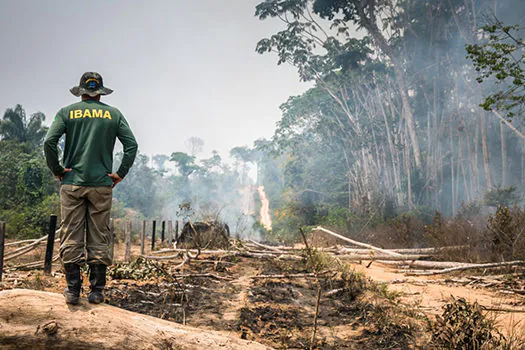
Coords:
363,156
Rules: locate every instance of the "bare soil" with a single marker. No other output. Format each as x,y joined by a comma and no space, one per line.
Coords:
220,294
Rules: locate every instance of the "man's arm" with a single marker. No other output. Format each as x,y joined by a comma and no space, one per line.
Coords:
129,144
57,129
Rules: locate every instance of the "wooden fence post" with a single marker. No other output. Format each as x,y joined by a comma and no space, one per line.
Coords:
162,233
48,261
153,235
128,241
2,242
176,230
142,237
112,239
170,232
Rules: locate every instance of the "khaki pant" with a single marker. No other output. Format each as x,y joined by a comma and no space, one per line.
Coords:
85,229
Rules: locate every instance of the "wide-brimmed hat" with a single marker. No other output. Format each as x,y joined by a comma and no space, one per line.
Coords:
91,84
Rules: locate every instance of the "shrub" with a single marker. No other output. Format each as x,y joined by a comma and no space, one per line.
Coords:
464,326
506,229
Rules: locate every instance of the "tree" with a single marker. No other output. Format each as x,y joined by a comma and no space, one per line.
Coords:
140,188
500,59
160,161
195,145
299,44
15,126
185,163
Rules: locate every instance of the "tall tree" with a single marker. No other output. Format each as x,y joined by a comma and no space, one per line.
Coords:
16,126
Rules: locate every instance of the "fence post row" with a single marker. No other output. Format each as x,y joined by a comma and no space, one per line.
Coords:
142,237
170,232
48,261
111,238
128,242
153,235
2,242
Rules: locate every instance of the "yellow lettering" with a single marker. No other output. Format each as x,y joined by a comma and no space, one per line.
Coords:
107,115
97,113
87,113
77,113
70,114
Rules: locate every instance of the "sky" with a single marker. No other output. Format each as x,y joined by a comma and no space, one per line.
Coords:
179,68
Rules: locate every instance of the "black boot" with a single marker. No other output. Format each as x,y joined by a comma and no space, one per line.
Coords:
97,279
74,283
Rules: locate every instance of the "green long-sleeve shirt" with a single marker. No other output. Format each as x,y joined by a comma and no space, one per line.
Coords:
91,129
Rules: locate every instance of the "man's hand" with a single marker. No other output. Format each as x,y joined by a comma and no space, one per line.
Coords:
116,179
61,176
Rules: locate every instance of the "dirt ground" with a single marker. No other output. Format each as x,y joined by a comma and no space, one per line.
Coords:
224,294
430,293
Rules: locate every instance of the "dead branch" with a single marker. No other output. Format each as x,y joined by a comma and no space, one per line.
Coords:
186,260
382,257
198,275
475,266
333,292
34,264
20,242
203,251
360,244
432,250
518,291
498,309
292,275
266,246
34,244
422,264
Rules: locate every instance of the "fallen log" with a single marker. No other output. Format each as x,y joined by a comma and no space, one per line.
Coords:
39,320
359,244
26,249
35,243
411,251
181,250
432,250
422,264
34,264
475,266
358,257
247,254
266,246
20,242
290,275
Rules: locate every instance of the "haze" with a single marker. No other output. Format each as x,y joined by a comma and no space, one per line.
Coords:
178,68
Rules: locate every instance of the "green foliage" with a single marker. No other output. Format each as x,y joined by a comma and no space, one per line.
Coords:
501,196
139,269
337,218
30,221
185,163
501,59
140,188
27,188
464,326
15,126
507,231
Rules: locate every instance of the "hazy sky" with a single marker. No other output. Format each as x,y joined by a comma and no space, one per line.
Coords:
179,68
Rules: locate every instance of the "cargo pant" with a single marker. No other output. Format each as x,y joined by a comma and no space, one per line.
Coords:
85,228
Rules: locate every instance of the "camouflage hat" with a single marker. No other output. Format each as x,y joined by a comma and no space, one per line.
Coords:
90,84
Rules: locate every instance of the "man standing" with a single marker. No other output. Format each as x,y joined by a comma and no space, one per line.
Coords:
91,129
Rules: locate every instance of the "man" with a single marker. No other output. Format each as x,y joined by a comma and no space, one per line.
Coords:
91,128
